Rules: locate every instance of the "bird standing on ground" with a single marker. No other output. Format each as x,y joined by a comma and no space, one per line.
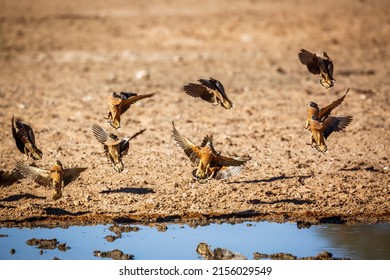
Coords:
210,90
211,164
324,112
114,148
120,103
322,65
25,139
56,178
320,130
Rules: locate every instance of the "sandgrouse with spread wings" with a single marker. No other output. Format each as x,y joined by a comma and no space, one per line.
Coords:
114,148
120,103
56,177
321,65
210,90
322,113
25,139
211,164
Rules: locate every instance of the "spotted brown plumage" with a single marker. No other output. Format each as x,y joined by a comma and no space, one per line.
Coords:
210,90
321,65
211,164
114,148
25,139
322,113
120,103
320,130
56,177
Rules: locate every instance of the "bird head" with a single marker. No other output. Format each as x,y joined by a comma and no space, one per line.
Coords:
313,105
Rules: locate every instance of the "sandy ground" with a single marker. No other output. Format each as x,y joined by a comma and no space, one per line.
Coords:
60,60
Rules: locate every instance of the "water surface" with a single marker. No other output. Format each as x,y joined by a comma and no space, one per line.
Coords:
367,242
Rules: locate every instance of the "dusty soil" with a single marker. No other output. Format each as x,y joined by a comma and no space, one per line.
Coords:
60,60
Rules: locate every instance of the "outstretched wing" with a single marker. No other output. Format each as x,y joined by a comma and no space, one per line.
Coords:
198,91
40,176
336,124
310,60
229,161
325,112
100,134
19,143
124,144
189,148
25,130
227,171
214,85
71,174
125,104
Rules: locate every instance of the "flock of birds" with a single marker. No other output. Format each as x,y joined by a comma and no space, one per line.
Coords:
210,163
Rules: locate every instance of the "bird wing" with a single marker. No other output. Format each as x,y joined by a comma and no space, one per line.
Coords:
207,138
337,124
25,130
227,171
189,148
310,60
124,144
325,112
126,95
330,68
198,91
40,176
228,161
125,104
100,134
71,174
19,143
217,88
210,83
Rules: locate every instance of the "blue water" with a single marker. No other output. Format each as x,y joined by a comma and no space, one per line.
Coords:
179,242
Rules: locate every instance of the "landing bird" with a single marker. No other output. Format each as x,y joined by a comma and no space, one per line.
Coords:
114,148
56,178
322,113
25,139
320,131
210,90
120,103
210,163
322,65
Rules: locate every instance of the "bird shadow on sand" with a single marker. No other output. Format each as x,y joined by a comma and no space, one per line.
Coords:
129,190
358,168
61,212
22,196
288,200
272,179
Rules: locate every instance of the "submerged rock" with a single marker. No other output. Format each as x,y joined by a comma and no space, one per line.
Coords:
286,256
204,250
114,254
43,243
47,244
